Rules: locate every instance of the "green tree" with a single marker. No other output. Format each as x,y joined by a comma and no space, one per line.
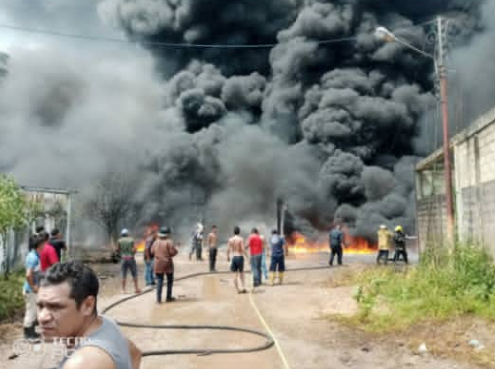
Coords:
15,211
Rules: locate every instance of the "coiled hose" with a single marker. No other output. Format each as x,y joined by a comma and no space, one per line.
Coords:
201,352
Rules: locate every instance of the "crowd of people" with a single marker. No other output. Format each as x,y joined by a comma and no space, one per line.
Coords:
387,240
61,296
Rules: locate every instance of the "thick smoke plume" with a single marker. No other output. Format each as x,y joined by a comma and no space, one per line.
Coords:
333,128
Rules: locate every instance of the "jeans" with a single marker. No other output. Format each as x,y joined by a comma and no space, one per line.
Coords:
159,286
256,269
263,265
148,272
213,258
336,250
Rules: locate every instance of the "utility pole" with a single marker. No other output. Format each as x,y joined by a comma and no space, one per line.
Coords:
442,77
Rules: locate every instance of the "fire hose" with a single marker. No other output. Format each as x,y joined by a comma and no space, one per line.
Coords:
202,352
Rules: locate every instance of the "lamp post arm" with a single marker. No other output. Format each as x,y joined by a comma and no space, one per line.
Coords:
408,45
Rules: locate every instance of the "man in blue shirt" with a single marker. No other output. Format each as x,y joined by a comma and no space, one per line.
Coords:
277,244
30,289
336,244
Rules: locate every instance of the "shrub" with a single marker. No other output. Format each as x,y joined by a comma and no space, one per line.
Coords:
11,299
443,285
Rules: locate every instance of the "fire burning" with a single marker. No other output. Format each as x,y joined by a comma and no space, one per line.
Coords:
299,244
141,243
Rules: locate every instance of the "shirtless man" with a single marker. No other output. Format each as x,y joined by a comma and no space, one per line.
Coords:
212,246
236,246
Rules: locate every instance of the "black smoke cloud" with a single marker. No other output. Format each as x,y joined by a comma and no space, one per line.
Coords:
330,127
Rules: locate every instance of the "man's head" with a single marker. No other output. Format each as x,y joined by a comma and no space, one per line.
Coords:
164,232
67,299
237,230
55,233
37,243
383,226
213,228
43,238
124,232
39,229
254,230
274,231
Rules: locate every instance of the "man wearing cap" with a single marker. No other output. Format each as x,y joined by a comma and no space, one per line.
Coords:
164,250
384,243
127,250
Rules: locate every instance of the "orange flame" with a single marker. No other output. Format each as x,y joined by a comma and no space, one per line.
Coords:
141,243
299,244
140,246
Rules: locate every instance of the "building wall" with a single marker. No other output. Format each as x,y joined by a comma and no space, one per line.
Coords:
474,187
431,221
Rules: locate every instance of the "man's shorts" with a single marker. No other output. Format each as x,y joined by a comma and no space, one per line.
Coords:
128,264
277,263
237,264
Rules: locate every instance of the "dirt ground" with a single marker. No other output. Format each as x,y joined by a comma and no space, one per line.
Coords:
297,313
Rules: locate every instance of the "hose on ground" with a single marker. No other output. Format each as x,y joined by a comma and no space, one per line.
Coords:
201,352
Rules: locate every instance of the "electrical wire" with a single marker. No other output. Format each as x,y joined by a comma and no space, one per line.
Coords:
159,43
176,44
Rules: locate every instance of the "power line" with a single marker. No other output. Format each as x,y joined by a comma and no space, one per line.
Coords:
176,44
162,44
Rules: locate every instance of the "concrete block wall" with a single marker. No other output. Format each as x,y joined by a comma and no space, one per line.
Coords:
474,184
431,221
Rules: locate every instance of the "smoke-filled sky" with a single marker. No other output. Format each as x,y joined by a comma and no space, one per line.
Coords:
333,128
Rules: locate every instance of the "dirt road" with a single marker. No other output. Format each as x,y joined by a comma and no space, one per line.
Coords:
295,312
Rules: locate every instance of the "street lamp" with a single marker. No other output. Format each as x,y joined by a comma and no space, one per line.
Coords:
384,34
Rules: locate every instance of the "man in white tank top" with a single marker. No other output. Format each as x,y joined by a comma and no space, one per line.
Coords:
67,315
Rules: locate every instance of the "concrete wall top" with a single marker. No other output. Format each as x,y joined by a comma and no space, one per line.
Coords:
477,126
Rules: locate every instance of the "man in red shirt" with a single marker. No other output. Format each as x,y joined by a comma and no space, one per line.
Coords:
48,256
255,244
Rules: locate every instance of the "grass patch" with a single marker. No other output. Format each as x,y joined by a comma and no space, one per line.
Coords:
442,286
11,299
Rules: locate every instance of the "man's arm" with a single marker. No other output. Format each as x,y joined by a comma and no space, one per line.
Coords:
135,354
172,251
244,247
91,357
30,279
229,246
153,247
